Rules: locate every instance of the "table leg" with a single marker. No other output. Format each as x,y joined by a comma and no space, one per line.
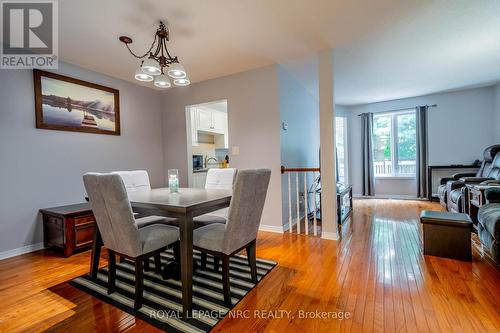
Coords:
186,237
96,253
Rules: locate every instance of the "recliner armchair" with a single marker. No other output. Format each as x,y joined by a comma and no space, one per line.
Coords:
489,223
451,189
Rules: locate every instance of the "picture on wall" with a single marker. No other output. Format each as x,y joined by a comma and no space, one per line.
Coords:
67,104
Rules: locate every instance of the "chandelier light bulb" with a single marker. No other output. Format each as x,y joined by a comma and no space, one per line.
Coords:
176,71
182,82
151,67
162,81
141,76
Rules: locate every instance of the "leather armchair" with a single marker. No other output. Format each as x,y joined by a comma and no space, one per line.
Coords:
444,190
455,189
488,228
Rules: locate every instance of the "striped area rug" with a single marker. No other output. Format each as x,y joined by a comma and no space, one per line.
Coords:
162,304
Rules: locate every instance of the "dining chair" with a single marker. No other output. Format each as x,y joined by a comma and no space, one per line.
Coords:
120,232
222,179
138,180
240,231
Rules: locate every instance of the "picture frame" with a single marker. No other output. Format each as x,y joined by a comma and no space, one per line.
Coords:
64,103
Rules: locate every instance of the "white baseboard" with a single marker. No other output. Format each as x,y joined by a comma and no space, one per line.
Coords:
271,228
329,235
286,227
21,250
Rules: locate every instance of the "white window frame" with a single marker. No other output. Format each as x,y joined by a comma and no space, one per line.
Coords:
394,140
346,148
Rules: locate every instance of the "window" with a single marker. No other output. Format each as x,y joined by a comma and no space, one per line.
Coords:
394,144
341,148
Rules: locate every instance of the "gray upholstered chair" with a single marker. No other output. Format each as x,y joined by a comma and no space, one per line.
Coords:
222,179
138,180
135,181
119,231
240,231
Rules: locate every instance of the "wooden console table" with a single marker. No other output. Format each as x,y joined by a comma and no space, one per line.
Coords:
68,228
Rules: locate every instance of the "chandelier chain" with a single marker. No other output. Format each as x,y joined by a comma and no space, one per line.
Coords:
147,52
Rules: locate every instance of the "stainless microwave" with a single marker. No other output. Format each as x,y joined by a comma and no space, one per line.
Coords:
197,162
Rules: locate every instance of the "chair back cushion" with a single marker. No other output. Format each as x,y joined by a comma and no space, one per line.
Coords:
246,207
135,180
220,179
113,213
495,168
489,155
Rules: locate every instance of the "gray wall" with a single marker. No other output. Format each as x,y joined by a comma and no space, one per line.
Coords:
43,168
299,108
254,124
460,127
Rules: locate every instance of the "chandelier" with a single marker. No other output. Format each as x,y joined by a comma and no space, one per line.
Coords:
158,65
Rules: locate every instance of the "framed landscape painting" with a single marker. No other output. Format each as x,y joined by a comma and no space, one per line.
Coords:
67,104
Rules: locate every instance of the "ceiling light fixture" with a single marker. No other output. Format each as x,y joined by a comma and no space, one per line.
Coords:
154,62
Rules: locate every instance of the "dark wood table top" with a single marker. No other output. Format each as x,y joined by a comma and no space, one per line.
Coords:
186,200
68,210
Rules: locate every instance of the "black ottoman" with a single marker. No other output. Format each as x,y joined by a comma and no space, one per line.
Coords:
447,234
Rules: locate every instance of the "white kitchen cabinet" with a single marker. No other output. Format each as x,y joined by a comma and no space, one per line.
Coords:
204,120
219,121
210,122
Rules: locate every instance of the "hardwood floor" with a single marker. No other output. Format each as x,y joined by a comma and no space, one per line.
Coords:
378,275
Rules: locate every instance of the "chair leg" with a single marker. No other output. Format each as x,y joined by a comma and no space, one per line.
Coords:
157,263
216,264
111,272
203,260
177,252
146,264
252,261
225,279
138,283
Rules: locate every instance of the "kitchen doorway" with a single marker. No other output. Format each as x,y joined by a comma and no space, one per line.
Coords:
207,140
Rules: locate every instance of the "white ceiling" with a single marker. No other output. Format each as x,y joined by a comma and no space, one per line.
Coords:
385,49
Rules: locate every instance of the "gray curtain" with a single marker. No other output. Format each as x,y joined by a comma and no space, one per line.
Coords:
422,161
367,151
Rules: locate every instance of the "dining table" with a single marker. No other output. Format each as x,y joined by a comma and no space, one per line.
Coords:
184,205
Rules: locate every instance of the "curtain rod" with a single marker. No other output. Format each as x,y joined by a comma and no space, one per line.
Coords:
430,106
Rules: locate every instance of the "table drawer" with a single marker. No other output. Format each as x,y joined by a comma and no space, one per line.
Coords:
86,219
84,236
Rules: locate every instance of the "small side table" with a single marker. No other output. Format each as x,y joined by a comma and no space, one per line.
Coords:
474,199
68,228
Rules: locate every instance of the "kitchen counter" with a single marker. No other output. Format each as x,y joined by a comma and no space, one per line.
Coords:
200,170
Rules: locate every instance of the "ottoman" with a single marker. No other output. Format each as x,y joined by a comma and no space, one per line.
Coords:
447,234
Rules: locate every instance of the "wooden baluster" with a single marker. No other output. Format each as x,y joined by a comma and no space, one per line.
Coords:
306,217
298,202
289,204
315,222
